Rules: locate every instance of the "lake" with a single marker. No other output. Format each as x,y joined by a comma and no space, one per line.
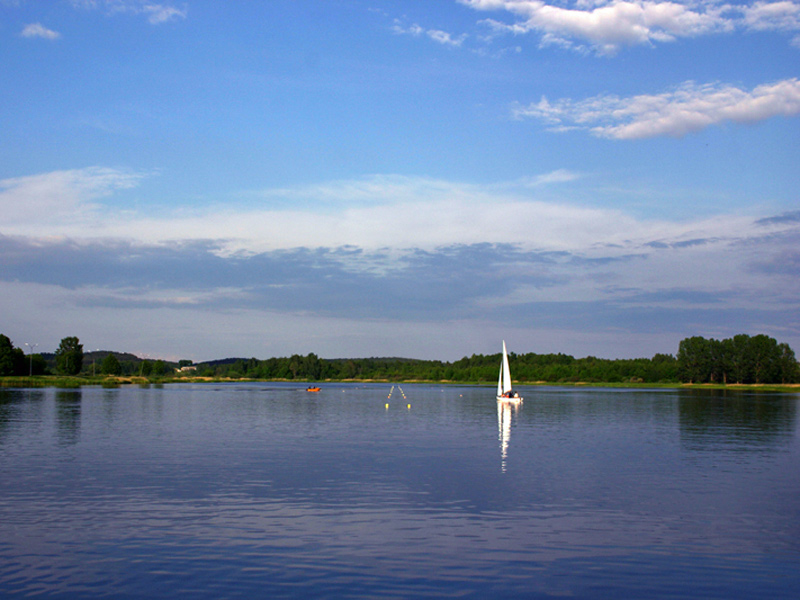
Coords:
373,491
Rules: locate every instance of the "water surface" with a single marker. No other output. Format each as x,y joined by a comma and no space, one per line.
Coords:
265,490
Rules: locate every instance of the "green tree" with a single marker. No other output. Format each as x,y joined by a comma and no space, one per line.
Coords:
311,367
741,359
717,359
765,356
12,360
294,364
6,356
663,367
739,363
111,365
159,368
694,359
788,367
69,356
34,364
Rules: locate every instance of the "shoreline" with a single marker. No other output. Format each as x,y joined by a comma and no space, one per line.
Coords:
56,381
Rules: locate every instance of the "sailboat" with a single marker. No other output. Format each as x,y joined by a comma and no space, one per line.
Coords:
504,391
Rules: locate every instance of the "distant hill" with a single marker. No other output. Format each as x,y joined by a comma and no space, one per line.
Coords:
130,362
387,359
218,362
99,355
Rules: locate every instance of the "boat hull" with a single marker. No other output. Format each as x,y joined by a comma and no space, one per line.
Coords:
511,399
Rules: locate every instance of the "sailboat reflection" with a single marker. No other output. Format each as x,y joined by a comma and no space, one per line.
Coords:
504,412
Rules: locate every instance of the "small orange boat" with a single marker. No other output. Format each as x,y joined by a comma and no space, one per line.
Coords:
312,389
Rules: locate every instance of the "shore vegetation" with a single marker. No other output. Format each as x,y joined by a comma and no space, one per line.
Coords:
742,360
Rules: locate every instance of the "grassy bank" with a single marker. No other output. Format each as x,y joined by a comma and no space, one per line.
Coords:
60,381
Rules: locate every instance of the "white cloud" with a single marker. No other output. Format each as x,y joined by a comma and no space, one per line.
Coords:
51,197
771,16
37,30
607,26
689,108
156,13
390,212
437,35
382,212
445,38
557,176
159,13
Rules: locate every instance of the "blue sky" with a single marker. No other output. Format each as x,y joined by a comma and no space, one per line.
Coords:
396,178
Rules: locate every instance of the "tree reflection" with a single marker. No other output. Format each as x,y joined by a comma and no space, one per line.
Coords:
749,420
68,416
16,406
7,410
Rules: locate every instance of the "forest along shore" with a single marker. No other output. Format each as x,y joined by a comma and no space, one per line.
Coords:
742,359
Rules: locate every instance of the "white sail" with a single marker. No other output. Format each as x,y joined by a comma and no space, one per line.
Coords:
500,380
506,371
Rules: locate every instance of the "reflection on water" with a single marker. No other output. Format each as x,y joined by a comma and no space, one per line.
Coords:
8,410
746,420
18,407
504,411
68,414
265,490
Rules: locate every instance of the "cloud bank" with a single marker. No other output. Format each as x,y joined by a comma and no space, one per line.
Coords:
372,213
689,108
483,255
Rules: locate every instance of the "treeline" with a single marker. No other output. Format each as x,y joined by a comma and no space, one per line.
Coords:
740,359
477,368
313,368
70,359
103,362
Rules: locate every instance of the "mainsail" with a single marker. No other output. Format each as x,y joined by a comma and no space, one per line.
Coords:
504,380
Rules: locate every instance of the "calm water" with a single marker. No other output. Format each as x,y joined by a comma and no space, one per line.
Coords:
264,490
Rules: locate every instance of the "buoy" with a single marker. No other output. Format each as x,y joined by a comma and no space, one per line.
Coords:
387,406
409,407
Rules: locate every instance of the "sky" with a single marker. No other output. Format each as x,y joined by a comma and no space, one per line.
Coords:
354,178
